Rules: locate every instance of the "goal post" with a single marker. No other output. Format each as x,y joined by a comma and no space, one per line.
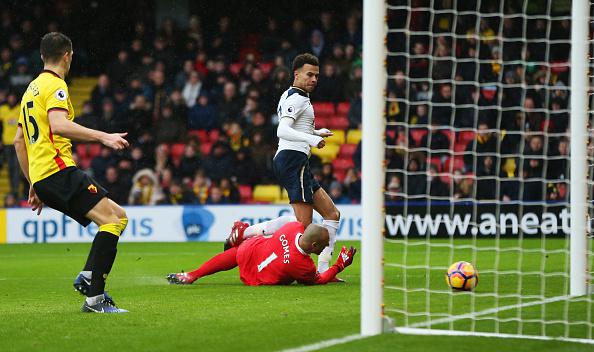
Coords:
580,13
372,199
476,124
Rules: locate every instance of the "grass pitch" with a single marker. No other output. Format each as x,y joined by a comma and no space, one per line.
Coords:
40,311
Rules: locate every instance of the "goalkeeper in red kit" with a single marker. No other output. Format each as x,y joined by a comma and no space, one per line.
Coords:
279,259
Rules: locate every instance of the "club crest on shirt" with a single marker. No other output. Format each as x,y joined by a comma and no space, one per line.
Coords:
61,94
290,109
92,189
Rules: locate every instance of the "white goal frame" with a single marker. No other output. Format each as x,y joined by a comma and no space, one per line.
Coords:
373,97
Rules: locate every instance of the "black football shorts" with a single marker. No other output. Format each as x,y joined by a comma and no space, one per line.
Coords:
72,192
291,168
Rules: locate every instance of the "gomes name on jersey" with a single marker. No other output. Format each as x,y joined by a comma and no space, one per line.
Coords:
285,244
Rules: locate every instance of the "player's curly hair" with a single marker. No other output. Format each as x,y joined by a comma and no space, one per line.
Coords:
303,59
54,45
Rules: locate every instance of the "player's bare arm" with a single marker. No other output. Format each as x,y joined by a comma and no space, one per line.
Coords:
21,151
60,125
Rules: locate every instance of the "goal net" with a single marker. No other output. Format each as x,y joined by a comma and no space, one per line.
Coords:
477,146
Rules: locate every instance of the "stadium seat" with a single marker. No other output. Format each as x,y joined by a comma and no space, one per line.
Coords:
460,147
450,134
465,136
339,175
205,148
266,67
177,150
435,161
201,134
417,135
347,150
81,150
321,122
323,108
337,138
338,123
343,108
245,193
84,163
452,164
353,136
284,199
235,68
213,135
328,153
266,193
343,164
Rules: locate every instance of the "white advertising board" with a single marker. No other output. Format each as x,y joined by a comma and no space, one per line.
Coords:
162,223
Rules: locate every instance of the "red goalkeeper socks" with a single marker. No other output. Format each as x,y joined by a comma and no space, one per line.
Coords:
221,262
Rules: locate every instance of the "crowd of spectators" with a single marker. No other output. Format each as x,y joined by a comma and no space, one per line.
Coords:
213,93
476,109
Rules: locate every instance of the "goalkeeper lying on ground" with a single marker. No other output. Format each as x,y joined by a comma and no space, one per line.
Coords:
279,259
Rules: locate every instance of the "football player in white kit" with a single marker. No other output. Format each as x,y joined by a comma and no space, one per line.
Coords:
297,134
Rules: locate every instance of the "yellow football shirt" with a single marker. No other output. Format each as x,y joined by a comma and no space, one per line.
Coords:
47,153
10,117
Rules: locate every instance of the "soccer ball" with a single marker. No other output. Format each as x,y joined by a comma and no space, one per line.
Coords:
462,276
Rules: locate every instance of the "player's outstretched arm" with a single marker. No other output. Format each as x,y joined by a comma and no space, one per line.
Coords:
60,125
286,131
21,152
345,258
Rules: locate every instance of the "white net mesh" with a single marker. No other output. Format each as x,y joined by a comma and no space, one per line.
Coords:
477,150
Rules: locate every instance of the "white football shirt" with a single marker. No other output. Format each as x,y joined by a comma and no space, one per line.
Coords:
295,103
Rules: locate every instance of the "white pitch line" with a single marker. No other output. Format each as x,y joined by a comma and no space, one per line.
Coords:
412,331
487,311
323,344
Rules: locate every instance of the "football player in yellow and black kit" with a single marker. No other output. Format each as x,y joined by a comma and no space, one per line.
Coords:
44,150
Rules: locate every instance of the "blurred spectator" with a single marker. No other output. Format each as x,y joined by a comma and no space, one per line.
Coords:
168,127
101,92
101,162
120,69
230,105
436,186
558,161
486,184
336,194
192,88
532,170
201,186
230,192
215,196
146,189
9,116
220,163
21,77
329,86
202,116
416,183
177,194
10,201
189,163
118,190
355,111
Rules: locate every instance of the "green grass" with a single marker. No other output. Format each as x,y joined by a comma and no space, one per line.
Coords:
40,311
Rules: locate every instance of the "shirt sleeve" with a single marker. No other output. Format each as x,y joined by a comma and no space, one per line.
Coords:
293,106
57,97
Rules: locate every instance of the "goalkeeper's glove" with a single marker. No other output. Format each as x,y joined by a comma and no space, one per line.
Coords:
345,258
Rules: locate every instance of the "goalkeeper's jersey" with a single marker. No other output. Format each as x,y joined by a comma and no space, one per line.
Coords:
276,259
47,153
